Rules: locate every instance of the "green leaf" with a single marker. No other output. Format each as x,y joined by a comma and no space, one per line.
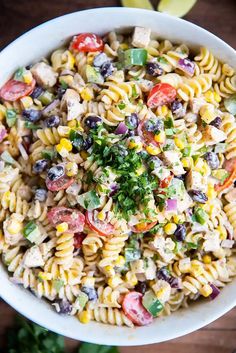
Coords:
142,4
10,117
89,200
49,154
121,106
190,246
31,126
96,348
178,8
64,85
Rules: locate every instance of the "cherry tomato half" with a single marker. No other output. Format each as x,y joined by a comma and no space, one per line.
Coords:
74,218
161,94
78,239
59,184
230,166
135,311
166,181
87,42
101,227
143,227
14,90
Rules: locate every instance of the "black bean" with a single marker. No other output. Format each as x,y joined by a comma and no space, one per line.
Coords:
100,59
234,183
92,121
52,121
56,172
178,109
31,115
154,162
37,92
87,143
141,287
64,306
198,196
40,166
154,125
212,160
154,69
106,69
163,273
40,195
91,292
60,92
132,121
180,233
174,282
216,122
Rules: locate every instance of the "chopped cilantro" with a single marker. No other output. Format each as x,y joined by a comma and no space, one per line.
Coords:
64,85
169,123
162,60
31,126
121,106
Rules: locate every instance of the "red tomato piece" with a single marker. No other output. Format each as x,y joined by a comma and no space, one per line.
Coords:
134,309
87,42
78,240
161,94
143,227
74,218
60,184
101,227
146,136
230,166
166,182
14,90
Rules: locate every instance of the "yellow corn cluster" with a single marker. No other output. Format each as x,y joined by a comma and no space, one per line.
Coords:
109,271
84,317
206,290
179,143
161,137
153,150
206,259
187,162
170,228
62,227
120,261
135,145
87,94
27,77
64,147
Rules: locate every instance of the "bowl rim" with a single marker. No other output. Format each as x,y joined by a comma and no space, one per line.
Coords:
120,341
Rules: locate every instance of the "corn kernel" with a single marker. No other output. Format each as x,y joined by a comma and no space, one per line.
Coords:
206,290
61,150
101,215
113,282
66,144
72,123
27,77
163,109
91,56
62,227
71,169
45,276
6,199
217,97
206,259
178,219
187,162
153,150
26,102
179,143
170,228
120,261
70,60
211,193
14,227
87,94
135,145
84,155
109,270
223,232
84,317
124,46
88,281
196,269
131,278
209,96
161,137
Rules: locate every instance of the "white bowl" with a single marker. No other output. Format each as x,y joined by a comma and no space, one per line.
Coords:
39,42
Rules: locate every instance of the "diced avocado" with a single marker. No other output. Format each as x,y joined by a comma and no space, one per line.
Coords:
132,254
31,232
46,98
81,300
151,303
93,75
220,174
135,57
200,215
11,117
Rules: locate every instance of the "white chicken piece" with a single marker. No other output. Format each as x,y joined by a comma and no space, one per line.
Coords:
184,202
71,101
12,228
212,241
150,271
212,135
185,265
196,104
141,37
172,160
44,74
195,181
33,257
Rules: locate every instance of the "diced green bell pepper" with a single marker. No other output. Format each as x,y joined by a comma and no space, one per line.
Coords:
151,303
135,57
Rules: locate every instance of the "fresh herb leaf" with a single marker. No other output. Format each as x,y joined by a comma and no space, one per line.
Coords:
31,126
76,139
134,92
49,154
190,246
121,105
63,84
169,123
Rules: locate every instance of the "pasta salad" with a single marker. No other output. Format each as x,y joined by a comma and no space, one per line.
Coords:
117,177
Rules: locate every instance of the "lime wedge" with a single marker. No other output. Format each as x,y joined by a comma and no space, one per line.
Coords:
142,4
178,8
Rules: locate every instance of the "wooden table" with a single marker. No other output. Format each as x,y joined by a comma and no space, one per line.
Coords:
216,16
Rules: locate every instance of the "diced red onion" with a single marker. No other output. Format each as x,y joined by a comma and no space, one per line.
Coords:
215,291
51,106
175,283
114,188
171,205
3,133
227,243
187,66
121,129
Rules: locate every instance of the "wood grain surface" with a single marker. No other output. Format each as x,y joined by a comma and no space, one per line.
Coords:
16,17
